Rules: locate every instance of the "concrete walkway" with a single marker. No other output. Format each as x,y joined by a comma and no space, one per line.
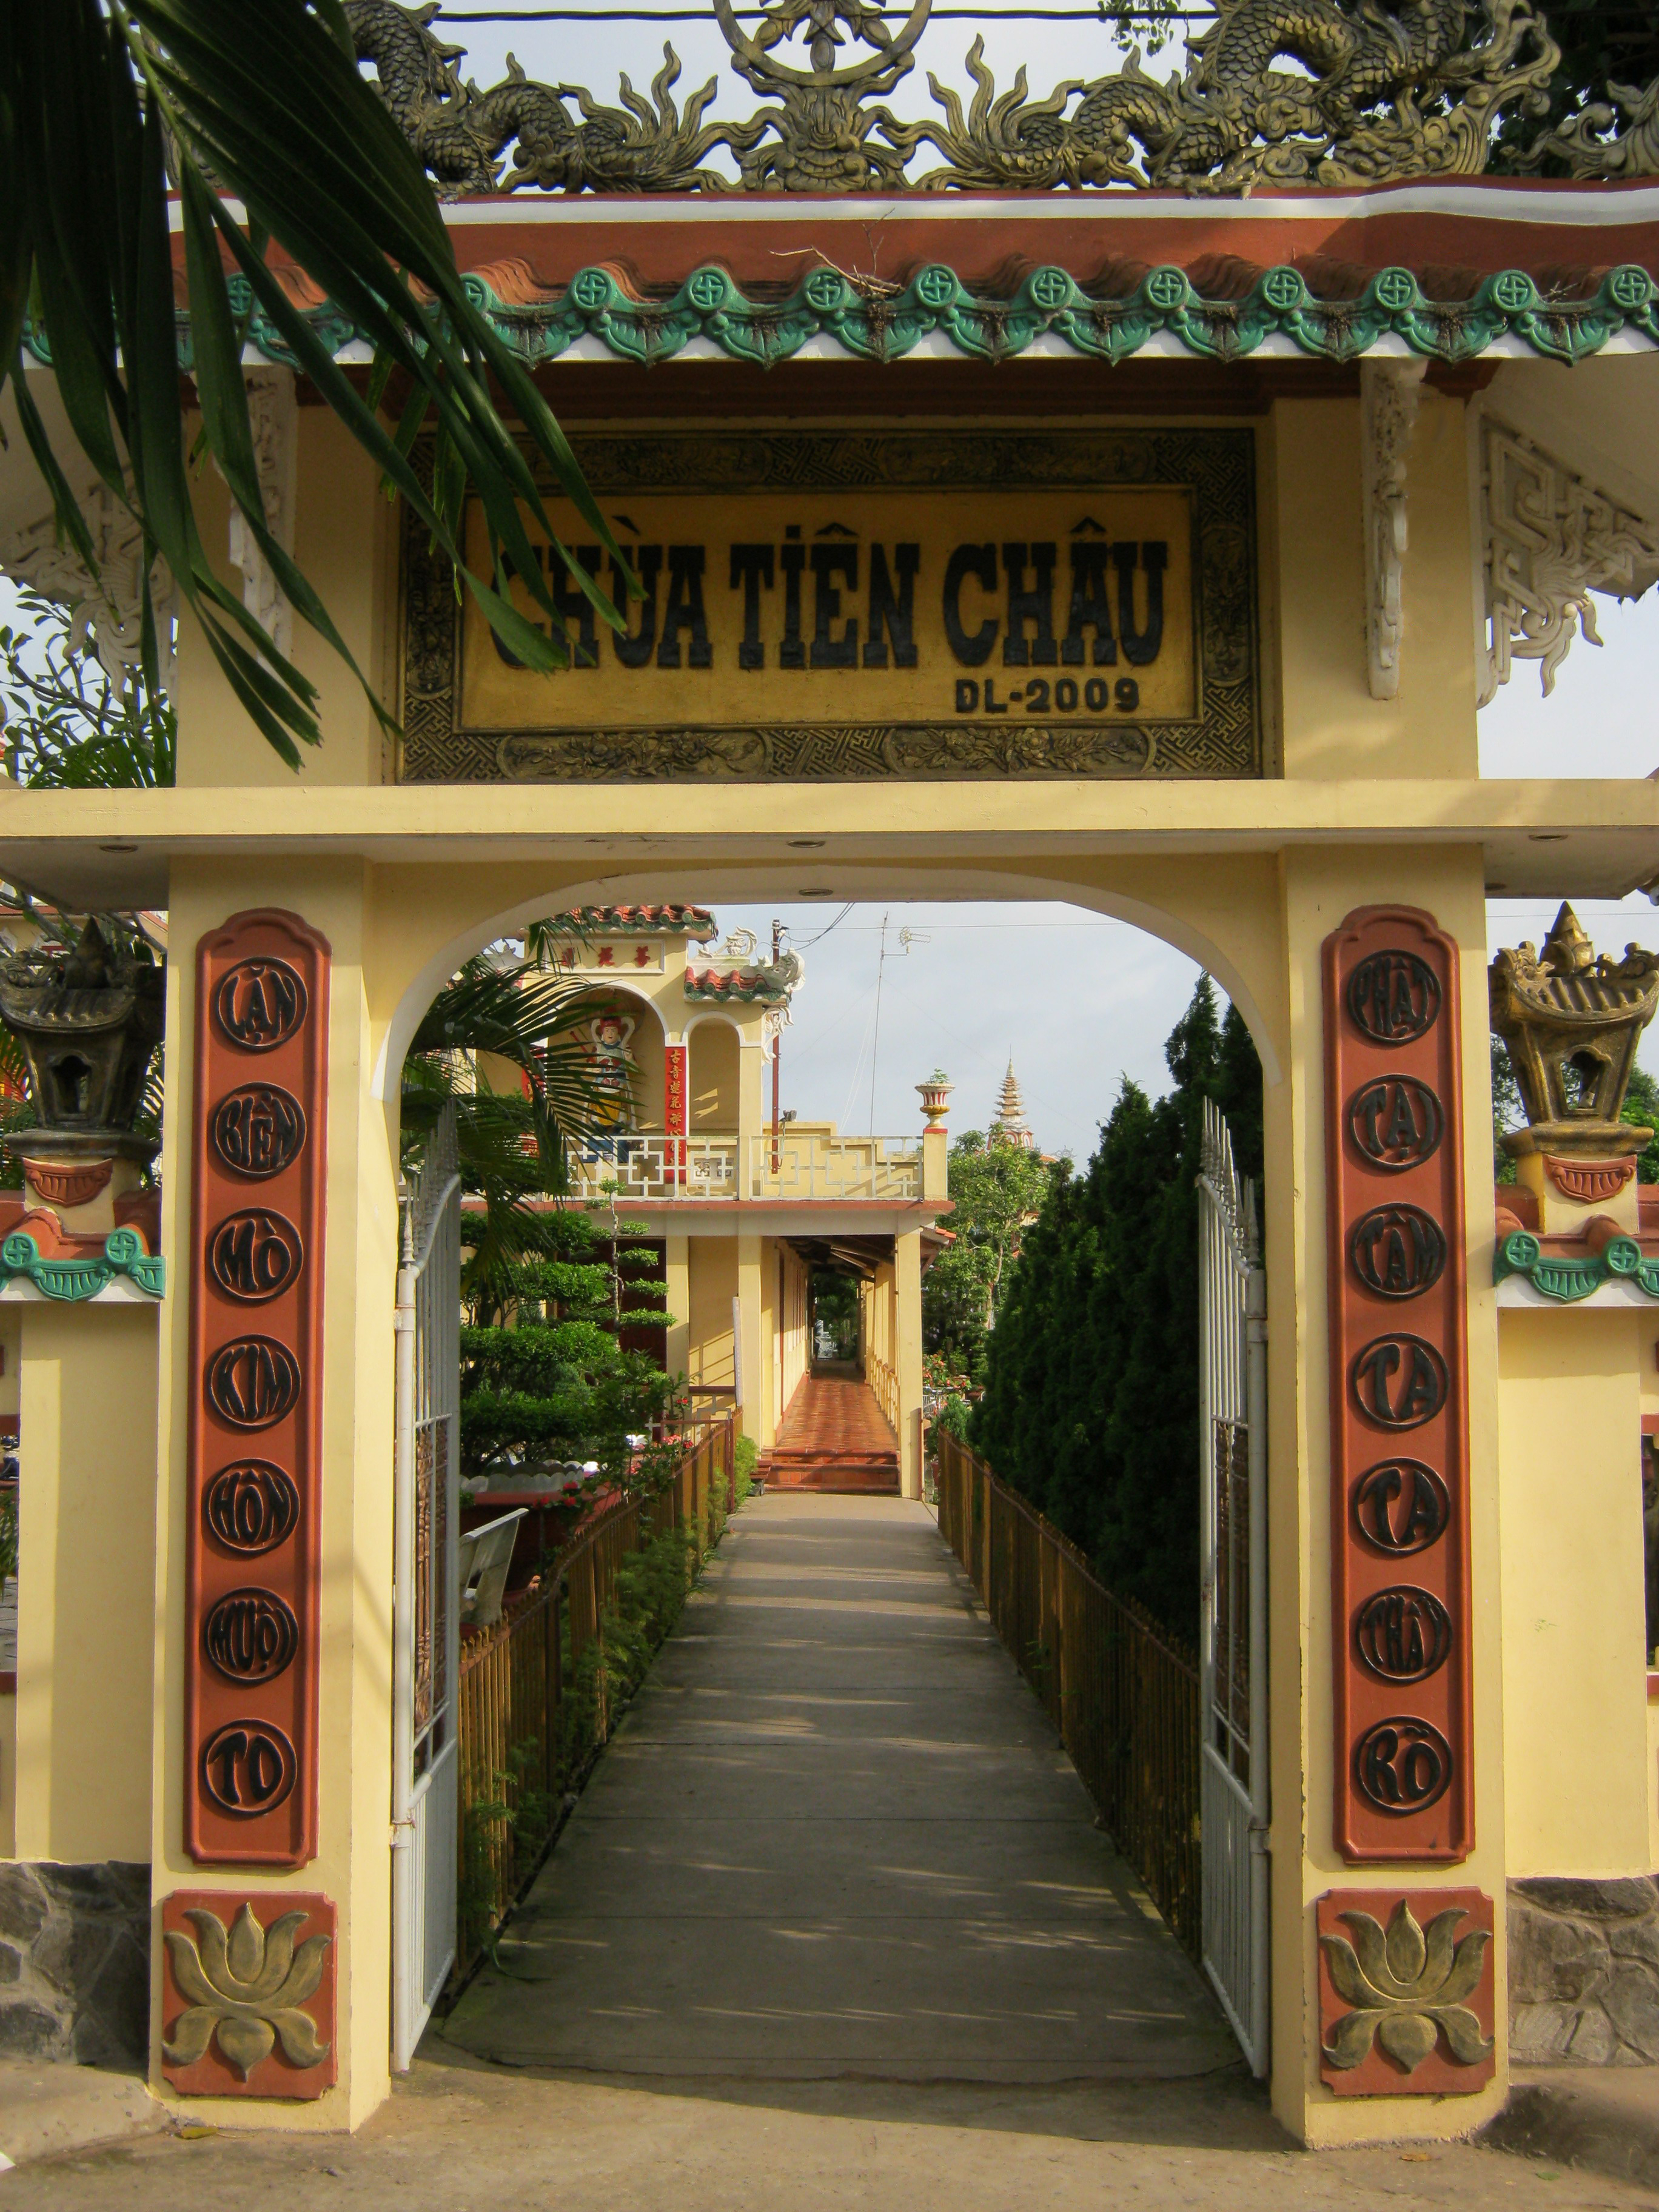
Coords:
836,1838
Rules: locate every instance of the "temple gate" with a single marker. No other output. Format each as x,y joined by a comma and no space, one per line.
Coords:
1151,551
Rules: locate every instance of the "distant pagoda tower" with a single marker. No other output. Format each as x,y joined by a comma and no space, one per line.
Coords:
1011,1127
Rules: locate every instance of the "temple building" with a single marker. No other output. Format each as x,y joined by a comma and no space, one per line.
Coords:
753,1216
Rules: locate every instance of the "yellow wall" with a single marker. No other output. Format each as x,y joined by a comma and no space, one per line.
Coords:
794,1344
712,1083
1578,1778
345,540
1330,725
11,1347
713,1276
86,1580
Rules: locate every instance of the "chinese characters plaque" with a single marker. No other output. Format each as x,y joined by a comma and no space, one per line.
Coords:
256,1292
1399,1388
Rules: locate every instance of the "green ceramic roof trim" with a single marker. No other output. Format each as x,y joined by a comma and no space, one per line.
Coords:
741,984
1621,1260
711,305
123,1254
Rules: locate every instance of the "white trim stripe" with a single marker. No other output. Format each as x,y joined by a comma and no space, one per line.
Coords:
1592,206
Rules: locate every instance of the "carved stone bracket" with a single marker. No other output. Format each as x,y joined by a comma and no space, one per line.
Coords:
1389,395
106,611
273,417
1549,540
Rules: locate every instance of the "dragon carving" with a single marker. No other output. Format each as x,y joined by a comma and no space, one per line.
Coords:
461,134
1375,90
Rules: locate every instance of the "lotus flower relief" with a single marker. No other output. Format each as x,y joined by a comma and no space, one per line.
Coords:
1404,1986
247,1987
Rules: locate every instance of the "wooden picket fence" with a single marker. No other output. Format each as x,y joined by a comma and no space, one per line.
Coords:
1122,1692
536,1700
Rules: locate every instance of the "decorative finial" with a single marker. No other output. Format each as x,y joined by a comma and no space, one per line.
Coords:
1567,949
936,1097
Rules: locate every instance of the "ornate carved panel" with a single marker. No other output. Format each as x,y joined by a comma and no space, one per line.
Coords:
1405,1997
844,606
1399,1410
1550,539
247,1994
1388,395
256,1357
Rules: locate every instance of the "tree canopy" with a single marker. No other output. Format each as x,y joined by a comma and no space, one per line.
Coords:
997,1188
1091,1406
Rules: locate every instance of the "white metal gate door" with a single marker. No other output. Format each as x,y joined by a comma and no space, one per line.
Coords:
1233,1640
426,1626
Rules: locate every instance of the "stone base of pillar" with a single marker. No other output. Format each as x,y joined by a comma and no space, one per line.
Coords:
1584,1971
75,1963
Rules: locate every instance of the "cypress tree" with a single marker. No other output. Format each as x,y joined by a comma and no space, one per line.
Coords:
1090,1406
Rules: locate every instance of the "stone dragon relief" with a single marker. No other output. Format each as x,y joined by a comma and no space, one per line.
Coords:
1375,92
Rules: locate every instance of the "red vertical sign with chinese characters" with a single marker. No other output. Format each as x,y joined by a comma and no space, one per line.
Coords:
1399,1389
256,1317
675,1110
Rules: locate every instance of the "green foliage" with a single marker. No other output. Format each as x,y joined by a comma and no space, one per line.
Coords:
1602,42
1091,1403
250,127
1507,1112
555,1383
68,727
1641,1107
748,1458
997,1189
646,1598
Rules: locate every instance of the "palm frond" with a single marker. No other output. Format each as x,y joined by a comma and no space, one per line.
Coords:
97,99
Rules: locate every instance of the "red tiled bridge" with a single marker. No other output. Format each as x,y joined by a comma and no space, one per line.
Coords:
834,1437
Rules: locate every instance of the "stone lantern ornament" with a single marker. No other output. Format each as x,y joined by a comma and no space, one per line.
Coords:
1570,1022
89,1021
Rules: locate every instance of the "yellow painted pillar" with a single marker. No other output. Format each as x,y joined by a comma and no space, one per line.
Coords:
86,1580
352,1867
1321,888
907,1357
754,1353
676,1260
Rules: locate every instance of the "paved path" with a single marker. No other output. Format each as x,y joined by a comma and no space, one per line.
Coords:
836,1838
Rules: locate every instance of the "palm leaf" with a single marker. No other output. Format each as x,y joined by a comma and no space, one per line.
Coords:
97,97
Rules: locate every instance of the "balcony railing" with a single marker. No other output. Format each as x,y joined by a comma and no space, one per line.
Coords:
661,1167
807,1163
797,1165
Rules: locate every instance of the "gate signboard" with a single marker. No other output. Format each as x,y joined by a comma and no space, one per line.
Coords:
1399,1389
842,605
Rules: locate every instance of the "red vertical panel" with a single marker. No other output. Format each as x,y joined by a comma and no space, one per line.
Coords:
676,1104
256,1331
1399,1389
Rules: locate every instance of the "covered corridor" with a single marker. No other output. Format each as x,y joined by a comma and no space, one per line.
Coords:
835,1837
834,1437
